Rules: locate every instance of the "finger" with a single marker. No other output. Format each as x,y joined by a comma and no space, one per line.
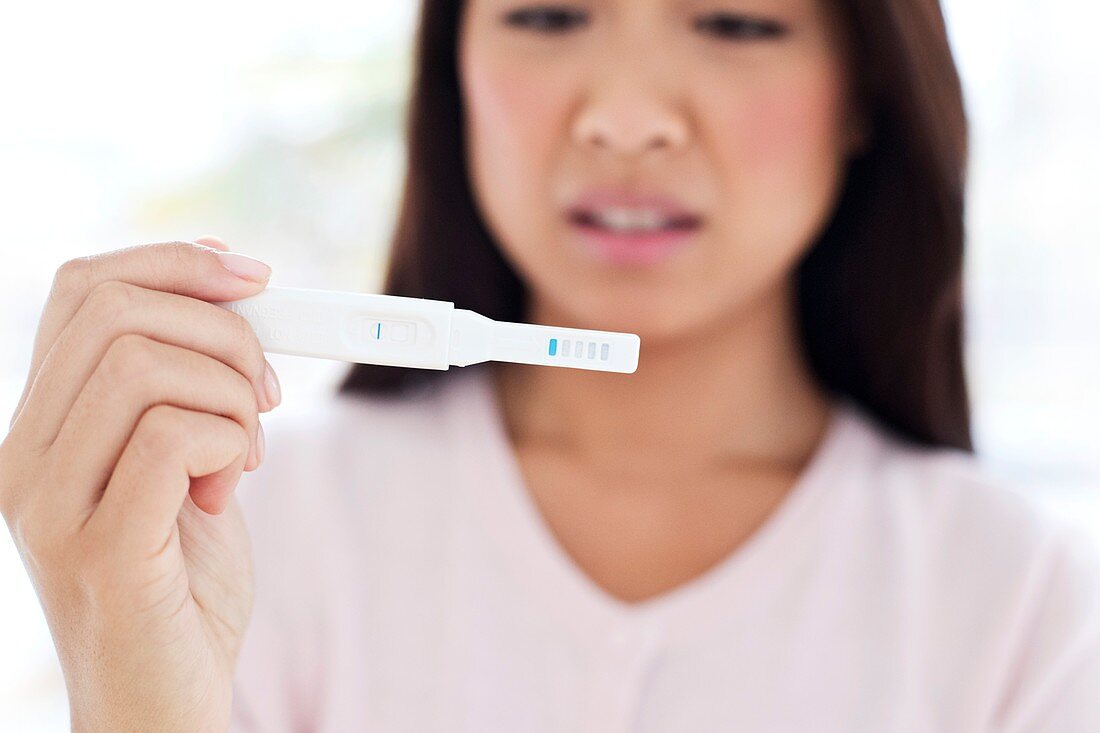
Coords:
105,414
170,446
211,241
183,268
115,308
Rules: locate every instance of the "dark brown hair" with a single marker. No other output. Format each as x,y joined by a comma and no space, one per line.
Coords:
879,295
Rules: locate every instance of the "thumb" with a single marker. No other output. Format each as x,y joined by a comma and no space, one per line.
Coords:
211,241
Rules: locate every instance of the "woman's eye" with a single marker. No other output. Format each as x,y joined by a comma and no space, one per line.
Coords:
740,27
549,19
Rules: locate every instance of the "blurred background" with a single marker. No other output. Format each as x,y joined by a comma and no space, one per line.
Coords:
278,128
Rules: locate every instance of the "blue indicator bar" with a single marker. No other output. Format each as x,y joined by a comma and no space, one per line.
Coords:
378,331
553,346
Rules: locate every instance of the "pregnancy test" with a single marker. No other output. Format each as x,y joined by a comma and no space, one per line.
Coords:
369,328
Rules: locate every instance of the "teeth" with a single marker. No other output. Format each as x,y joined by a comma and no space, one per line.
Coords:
622,219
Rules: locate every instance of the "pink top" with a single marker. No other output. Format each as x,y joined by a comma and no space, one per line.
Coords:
406,582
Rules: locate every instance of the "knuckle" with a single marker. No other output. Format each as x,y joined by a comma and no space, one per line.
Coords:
109,298
182,248
71,277
190,263
170,247
180,251
130,359
71,267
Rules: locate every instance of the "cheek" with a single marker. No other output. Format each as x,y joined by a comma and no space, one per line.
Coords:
508,120
511,118
783,153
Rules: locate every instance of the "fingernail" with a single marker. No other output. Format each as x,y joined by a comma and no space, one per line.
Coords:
259,443
244,266
271,384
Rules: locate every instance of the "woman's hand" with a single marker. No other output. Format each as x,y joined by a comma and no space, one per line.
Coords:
116,480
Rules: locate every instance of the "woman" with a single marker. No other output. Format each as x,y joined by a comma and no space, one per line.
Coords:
775,524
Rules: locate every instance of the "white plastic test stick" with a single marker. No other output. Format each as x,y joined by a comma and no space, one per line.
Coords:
369,328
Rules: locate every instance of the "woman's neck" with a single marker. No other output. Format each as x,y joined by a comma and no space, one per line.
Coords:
737,393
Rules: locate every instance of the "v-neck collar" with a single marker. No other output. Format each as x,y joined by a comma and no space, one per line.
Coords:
528,545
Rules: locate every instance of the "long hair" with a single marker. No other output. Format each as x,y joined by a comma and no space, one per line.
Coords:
879,294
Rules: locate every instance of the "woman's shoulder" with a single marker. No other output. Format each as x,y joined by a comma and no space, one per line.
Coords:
1000,593
954,493
994,568
969,527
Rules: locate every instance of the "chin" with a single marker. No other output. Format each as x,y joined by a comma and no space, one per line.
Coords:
636,310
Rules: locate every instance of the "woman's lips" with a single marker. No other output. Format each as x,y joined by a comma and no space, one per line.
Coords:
619,247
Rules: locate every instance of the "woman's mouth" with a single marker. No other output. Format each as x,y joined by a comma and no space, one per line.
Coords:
626,235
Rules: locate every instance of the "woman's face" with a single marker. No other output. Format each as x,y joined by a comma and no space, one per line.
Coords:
654,165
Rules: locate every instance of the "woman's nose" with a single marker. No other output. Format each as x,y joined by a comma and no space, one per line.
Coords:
630,116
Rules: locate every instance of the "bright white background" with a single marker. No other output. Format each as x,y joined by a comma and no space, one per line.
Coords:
277,127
